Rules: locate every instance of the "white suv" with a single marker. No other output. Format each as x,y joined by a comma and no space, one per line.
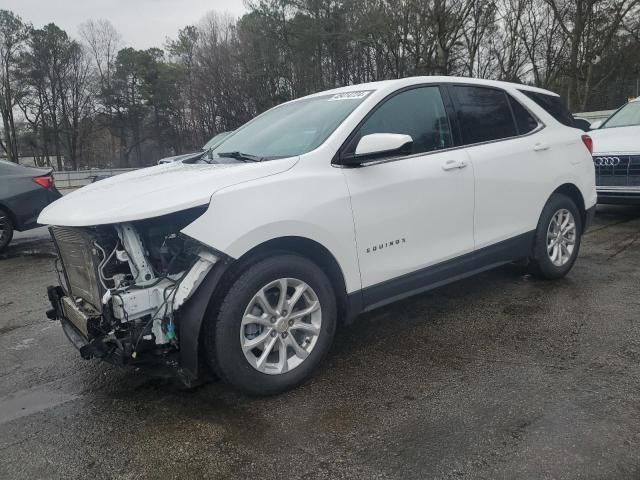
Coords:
317,210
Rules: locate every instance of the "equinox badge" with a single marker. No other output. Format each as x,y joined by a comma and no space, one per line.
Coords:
381,246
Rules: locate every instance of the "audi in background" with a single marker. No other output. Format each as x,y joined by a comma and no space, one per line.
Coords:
616,155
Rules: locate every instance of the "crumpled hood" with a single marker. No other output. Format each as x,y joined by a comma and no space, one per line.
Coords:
616,140
154,191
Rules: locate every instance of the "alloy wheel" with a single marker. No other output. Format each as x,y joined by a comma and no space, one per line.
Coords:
280,326
561,237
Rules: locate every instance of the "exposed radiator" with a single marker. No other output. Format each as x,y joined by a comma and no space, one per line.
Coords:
80,259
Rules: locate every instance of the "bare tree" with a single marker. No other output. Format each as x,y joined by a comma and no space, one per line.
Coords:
590,26
479,28
108,104
544,42
103,42
13,38
446,20
507,45
77,95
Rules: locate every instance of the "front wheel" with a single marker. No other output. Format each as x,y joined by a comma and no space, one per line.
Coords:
558,237
274,327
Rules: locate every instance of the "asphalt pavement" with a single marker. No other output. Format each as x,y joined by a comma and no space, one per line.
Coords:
499,376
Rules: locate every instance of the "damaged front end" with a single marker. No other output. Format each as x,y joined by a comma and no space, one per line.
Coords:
126,291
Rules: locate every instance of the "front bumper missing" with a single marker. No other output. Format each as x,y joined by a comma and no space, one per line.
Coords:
75,325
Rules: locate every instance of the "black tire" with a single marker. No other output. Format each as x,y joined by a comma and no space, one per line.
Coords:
6,229
541,264
222,335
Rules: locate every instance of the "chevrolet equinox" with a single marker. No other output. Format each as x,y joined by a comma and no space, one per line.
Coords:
242,262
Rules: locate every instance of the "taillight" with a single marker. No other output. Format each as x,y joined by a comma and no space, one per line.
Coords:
45,182
588,142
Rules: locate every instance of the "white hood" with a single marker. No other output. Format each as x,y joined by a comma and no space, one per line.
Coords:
154,191
616,140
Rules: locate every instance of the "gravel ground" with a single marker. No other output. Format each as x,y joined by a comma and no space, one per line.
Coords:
499,377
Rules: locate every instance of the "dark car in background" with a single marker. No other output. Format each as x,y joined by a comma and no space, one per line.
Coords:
24,192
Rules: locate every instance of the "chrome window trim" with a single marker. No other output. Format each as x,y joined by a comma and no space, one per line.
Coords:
541,126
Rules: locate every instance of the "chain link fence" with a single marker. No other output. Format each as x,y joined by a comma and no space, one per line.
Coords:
80,178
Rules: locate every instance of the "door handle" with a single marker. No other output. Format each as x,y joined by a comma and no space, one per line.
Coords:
453,165
540,147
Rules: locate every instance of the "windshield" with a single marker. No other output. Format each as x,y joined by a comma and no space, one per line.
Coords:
294,128
213,141
627,116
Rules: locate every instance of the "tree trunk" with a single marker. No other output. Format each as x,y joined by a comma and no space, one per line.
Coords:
576,37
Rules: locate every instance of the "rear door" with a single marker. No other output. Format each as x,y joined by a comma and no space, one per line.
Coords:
411,211
509,151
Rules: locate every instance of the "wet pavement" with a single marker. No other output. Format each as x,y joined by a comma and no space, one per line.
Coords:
499,376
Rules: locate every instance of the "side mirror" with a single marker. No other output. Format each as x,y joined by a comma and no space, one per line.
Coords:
379,145
595,125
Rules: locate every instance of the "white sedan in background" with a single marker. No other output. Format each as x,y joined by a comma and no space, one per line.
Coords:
616,155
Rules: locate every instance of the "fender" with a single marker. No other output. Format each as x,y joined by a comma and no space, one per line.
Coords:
191,316
312,203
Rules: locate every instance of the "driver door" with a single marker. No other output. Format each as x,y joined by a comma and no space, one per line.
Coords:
413,214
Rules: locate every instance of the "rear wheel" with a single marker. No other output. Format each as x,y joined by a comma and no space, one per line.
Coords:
274,327
6,229
558,238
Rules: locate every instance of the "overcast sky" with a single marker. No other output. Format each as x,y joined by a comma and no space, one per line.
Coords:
142,23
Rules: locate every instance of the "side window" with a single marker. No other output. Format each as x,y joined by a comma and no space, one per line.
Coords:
524,120
418,112
483,114
553,106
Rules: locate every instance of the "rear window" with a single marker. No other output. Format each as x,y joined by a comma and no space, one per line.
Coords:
484,114
524,120
553,106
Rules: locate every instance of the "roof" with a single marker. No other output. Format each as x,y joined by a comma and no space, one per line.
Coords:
408,81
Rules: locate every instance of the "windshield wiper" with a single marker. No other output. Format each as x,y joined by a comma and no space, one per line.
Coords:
244,157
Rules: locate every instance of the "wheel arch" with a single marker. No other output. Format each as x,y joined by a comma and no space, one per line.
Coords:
11,214
574,193
303,246
208,298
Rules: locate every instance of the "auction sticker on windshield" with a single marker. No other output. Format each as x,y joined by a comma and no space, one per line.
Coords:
349,95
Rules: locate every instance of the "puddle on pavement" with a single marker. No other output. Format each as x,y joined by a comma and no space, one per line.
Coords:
28,402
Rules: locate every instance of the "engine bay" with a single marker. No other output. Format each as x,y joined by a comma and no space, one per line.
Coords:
124,284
